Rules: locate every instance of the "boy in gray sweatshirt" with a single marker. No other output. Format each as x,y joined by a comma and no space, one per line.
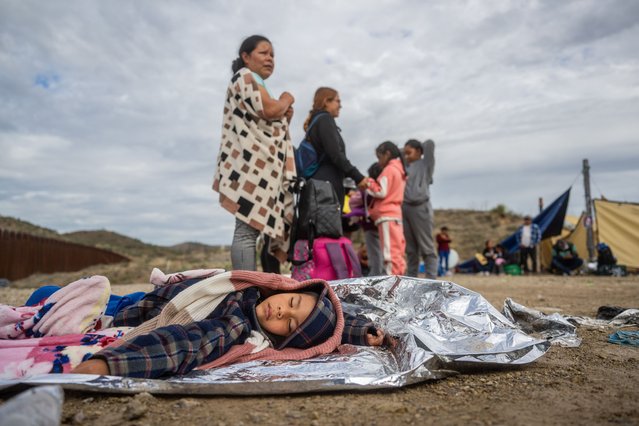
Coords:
417,211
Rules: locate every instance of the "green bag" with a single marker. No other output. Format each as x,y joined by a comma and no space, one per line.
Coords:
512,269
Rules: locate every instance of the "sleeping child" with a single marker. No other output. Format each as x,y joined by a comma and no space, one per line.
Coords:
238,316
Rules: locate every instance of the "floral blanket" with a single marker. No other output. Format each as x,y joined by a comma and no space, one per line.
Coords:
53,354
76,308
57,334
67,327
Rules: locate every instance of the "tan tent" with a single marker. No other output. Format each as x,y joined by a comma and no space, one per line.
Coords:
579,238
574,231
618,226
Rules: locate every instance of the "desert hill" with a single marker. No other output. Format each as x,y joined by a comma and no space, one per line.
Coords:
468,229
113,241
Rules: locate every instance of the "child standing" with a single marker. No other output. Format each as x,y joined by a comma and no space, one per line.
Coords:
443,250
371,235
386,210
417,210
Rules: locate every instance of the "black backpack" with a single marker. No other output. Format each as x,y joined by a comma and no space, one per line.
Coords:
318,212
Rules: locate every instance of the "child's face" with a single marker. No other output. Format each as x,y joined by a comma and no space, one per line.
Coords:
383,158
282,313
411,154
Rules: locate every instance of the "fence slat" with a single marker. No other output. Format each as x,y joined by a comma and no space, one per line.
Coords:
23,254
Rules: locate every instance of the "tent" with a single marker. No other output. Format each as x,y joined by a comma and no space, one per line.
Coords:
550,222
618,226
576,234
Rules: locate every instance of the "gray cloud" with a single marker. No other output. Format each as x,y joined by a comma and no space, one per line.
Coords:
110,112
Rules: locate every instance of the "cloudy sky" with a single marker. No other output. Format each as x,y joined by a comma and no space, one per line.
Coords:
110,111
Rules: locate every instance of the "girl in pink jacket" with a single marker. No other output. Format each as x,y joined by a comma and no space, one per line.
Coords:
386,210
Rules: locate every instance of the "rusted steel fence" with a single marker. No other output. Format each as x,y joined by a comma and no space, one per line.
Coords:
22,255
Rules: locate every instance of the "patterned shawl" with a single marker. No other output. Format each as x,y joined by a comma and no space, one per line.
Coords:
255,163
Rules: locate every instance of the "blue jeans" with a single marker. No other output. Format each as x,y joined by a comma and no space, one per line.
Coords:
442,266
566,266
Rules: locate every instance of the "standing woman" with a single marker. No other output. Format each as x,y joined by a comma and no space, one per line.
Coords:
328,143
255,163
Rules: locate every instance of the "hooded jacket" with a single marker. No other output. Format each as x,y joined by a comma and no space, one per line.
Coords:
210,322
388,192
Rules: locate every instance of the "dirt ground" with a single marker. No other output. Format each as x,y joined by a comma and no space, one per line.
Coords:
595,383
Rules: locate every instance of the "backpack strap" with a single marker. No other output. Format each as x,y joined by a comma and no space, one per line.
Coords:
344,260
308,130
314,120
338,262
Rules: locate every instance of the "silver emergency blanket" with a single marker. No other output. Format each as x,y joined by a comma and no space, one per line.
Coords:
627,318
554,328
439,329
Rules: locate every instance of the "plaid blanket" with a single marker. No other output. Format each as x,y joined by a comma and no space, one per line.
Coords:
204,326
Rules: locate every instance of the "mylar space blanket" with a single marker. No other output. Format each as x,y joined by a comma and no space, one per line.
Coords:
439,329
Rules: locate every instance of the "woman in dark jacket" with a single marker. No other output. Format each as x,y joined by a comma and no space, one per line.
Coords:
328,143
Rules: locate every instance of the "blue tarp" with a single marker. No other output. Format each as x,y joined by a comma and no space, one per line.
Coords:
550,221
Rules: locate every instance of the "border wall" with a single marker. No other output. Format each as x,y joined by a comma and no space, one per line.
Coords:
23,254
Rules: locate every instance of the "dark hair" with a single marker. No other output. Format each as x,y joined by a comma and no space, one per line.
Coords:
374,170
247,46
444,228
415,144
389,146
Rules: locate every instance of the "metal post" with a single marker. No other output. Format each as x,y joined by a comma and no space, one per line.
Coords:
541,204
588,222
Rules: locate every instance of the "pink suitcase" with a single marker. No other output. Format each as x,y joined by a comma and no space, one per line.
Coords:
331,259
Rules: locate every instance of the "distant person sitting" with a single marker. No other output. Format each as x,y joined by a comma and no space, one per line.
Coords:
565,258
528,236
485,263
605,259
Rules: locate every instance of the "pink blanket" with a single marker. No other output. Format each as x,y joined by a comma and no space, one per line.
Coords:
58,334
56,354
74,309
65,329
